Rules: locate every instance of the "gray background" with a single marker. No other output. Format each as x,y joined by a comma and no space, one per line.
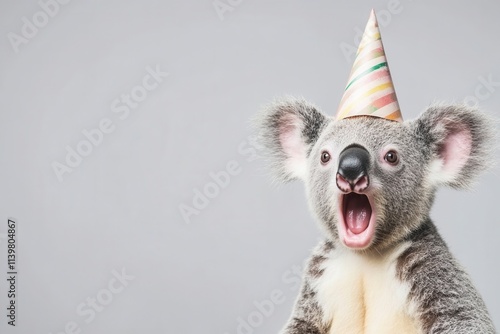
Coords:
120,207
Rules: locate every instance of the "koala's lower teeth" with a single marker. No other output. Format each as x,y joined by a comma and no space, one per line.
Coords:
357,212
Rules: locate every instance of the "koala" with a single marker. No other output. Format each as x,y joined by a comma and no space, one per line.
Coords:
382,267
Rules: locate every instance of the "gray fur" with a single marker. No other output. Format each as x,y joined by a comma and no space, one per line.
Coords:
282,113
448,302
446,299
432,125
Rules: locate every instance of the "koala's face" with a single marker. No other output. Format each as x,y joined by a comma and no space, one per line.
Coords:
367,181
371,181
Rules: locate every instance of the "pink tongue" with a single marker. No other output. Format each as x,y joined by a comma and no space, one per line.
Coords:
358,213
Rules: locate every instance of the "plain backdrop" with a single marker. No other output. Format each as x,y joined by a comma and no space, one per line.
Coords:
120,206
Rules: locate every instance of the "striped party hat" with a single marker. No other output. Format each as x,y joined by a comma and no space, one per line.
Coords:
369,91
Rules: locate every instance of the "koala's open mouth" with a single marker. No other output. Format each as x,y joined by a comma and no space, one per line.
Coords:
357,220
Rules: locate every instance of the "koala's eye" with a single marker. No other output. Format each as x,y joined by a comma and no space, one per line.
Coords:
391,157
325,157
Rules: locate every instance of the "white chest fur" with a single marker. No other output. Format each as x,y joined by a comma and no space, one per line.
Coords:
362,295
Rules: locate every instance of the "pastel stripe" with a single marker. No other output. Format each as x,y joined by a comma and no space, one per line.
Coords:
387,110
361,57
384,101
375,76
359,95
365,46
362,68
358,90
369,90
365,41
373,68
374,52
395,116
361,105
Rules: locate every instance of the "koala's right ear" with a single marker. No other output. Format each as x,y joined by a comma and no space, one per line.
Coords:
288,128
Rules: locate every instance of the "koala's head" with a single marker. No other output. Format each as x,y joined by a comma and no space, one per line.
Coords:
371,181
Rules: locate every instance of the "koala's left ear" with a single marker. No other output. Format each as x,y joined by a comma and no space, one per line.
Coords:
460,139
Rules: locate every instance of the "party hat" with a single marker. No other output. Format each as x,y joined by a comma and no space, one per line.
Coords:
369,90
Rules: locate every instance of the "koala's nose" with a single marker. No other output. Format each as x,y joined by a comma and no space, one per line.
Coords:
352,175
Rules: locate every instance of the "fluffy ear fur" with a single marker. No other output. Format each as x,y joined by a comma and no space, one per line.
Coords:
460,139
288,128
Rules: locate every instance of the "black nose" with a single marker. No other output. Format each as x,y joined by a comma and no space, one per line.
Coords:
354,162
